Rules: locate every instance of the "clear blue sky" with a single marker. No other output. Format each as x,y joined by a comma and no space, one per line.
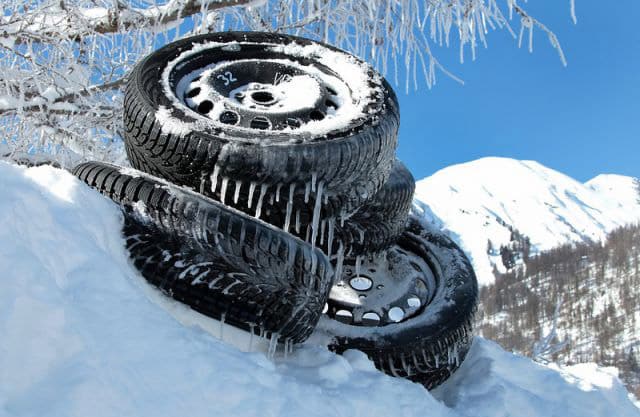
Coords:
583,119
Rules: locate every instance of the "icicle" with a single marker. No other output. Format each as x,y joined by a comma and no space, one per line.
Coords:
405,367
271,199
223,188
287,347
314,178
323,226
214,178
263,190
392,367
287,219
339,262
316,215
273,344
222,326
251,331
314,262
252,188
202,182
291,254
297,221
358,262
236,192
361,234
332,223
278,192
307,191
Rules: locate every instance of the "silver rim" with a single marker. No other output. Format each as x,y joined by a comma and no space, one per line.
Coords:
381,290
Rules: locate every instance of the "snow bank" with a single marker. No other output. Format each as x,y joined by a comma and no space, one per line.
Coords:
81,337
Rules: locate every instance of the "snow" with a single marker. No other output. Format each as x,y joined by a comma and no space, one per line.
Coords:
171,125
84,335
618,188
492,382
472,200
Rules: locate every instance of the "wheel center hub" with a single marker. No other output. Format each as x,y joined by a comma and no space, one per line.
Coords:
383,290
263,97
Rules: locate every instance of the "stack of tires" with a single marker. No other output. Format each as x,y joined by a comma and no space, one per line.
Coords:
266,195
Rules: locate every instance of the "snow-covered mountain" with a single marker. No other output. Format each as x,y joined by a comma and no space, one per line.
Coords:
485,200
83,335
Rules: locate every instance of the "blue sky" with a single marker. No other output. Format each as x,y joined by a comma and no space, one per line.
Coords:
583,119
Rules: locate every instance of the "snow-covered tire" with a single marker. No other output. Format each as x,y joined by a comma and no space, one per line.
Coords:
425,331
377,223
346,156
219,261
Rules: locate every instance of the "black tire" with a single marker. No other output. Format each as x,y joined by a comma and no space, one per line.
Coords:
350,162
429,345
380,221
251,275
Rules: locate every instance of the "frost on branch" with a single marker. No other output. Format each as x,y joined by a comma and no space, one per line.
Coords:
63,63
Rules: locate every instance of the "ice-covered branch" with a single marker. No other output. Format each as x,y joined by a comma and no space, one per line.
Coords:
121,17
63,62
527,24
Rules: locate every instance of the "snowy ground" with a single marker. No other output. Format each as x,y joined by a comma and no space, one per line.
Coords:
80,336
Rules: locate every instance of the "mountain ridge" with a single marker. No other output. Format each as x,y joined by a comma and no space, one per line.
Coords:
486,204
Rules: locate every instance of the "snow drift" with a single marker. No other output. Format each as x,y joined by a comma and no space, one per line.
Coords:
478,201
83,335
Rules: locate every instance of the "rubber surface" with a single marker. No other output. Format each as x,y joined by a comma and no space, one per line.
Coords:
218,261
381,220
429,347
349,165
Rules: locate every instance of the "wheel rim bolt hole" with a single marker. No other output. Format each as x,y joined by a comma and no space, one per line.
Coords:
229,117
396,314
293,123
261,123
370,319
414,302
361,283
344,316
194,92
205,107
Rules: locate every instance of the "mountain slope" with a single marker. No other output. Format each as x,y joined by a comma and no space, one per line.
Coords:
487,199
588,292
83,335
